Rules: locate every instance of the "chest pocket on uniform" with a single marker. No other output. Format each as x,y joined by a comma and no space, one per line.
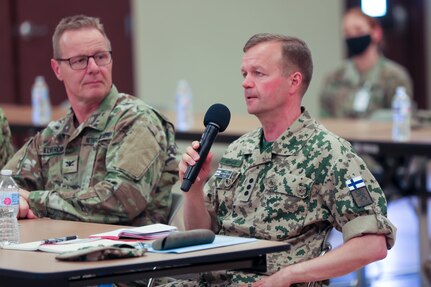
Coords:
225,178
100,146
284,202
50,160
225,188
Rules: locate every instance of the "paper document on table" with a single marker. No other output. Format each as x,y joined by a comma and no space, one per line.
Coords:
28,246
64,247
152,231
219,241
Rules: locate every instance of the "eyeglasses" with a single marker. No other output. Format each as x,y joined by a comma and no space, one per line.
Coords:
81,62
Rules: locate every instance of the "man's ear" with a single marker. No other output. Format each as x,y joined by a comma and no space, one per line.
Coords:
295,81
55,66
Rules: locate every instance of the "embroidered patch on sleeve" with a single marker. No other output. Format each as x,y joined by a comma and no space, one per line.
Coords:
359,191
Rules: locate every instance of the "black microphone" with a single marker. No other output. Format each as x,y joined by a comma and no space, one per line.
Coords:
216,120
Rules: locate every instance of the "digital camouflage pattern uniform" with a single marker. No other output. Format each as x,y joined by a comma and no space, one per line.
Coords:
7,149
294,193
116,167
341,87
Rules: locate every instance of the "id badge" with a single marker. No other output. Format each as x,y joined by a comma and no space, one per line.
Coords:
362,99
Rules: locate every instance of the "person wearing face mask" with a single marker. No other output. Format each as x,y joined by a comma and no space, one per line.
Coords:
367,81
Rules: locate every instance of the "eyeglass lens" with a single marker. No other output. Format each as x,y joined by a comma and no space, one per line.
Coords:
81,62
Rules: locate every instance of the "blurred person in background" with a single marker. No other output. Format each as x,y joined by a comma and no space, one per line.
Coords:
6,146
367,80
363,87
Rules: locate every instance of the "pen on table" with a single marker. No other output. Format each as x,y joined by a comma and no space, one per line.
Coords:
59,239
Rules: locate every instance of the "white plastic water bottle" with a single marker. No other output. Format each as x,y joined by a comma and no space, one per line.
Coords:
9,207
184,106
41,106
401,115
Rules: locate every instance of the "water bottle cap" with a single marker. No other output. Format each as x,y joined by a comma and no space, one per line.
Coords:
6,172
401,89
40,79
183,87
183,83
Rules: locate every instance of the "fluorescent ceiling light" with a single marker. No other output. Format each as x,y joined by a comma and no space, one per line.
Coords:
374,8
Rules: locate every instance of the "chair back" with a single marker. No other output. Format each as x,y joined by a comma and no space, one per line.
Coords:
177,202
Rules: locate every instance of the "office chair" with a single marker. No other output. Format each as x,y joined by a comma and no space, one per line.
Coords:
177,202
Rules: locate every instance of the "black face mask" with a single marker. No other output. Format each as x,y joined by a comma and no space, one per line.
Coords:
357,45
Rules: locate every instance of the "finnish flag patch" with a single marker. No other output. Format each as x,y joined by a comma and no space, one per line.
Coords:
355,183
223,173
358,190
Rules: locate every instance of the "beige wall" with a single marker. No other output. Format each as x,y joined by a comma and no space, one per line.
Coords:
201,41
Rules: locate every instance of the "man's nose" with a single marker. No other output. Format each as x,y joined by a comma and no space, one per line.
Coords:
92,64
247,83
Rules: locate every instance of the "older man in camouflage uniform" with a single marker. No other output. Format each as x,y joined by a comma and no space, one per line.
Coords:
6,146
111,159
291,180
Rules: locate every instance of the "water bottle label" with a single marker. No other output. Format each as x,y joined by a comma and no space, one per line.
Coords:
184,112
405,110
9,199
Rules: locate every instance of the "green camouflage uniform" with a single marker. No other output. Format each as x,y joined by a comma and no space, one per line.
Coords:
7,150
116,167
341,87
294,193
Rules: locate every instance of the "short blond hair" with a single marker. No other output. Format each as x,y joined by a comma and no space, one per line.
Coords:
295,52
74,23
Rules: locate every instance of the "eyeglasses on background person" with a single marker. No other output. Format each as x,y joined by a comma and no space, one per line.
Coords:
81,62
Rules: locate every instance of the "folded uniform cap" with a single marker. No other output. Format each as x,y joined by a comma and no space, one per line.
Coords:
184,239
99,253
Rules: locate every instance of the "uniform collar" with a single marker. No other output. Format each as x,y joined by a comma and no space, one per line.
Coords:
288,143
98,119
371,77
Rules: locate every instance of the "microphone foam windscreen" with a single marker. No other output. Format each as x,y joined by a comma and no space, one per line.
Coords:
184,238
218,114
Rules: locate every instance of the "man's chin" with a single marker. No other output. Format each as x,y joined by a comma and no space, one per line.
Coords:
96,91
251,110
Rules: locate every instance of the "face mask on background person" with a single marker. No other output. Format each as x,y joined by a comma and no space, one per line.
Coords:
357,45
